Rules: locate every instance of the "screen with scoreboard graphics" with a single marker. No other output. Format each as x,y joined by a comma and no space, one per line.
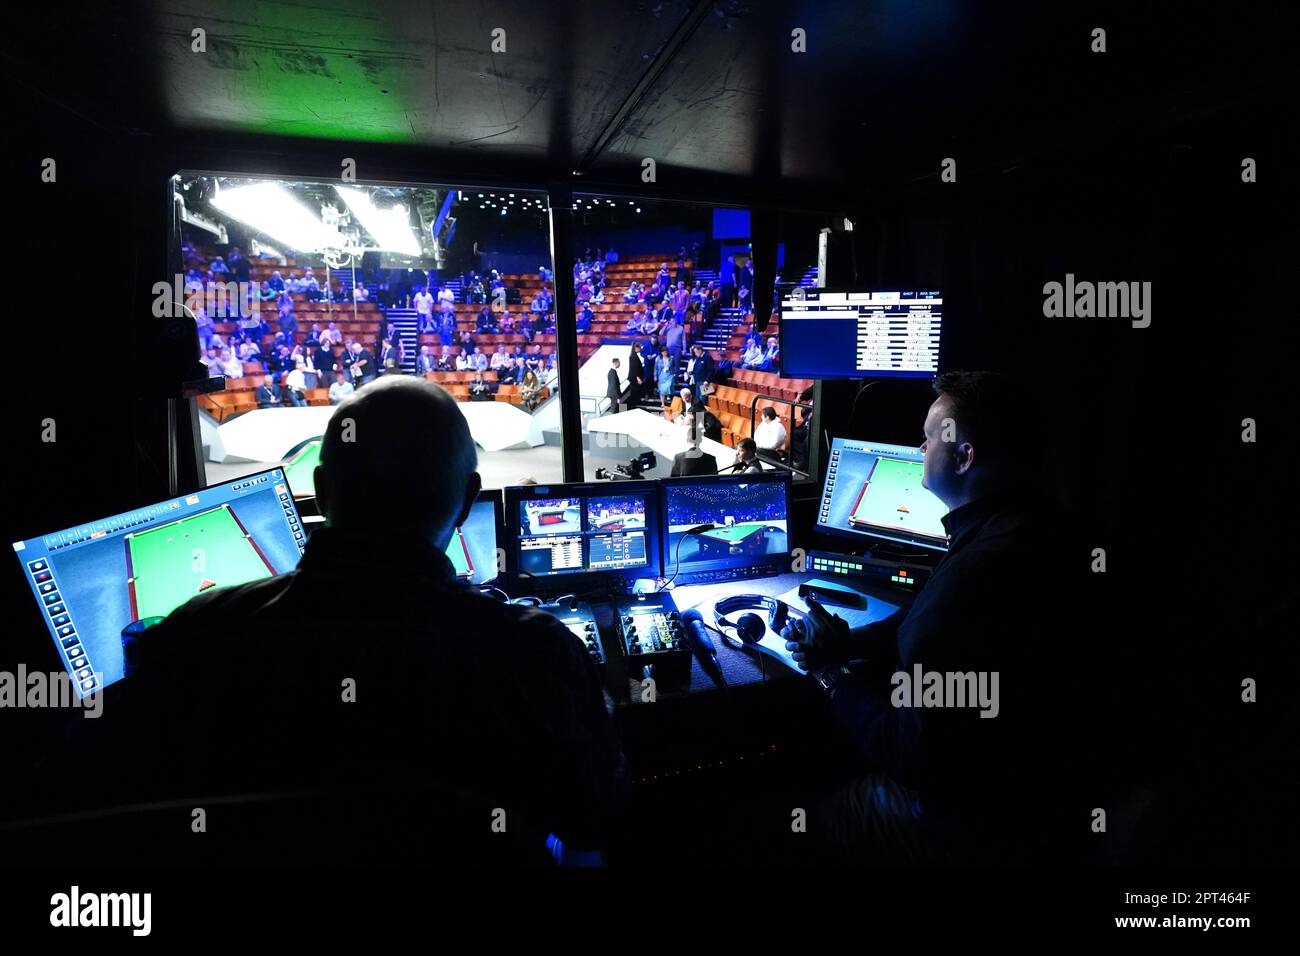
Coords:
92,580
596,528
837,334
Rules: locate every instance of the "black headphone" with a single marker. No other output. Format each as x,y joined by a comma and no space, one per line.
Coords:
750,628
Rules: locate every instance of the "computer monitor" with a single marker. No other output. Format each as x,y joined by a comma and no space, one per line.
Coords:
92,580
750,538
853,334
300,468
873,490
473,546
592,528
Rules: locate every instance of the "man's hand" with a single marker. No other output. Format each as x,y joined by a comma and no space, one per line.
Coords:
819,640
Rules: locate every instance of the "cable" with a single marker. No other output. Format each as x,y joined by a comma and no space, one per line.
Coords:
677,552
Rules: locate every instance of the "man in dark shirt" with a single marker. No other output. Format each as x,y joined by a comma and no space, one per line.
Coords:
613,388
984,779
693,461
407,675
635,376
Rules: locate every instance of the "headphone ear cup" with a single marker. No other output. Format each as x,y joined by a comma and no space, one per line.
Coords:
751,628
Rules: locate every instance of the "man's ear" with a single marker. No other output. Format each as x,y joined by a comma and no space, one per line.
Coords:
965,456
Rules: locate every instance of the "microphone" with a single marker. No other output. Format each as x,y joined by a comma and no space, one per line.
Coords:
702,646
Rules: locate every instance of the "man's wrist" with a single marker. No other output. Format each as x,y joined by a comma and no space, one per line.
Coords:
829,678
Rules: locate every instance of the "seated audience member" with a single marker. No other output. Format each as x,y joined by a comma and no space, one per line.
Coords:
447,360
500,359
267,395
341,388
753,357
359,293
295,387
266,294
213,362
772,357
747,457
465,362
425,362
584,320
276,282
478,361
486,323
250,351
509,374
530,390
231,367
629,297
481,390
206,327
331,336
693,461
769,433
549,756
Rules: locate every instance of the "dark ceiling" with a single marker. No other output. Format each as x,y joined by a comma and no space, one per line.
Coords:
886,89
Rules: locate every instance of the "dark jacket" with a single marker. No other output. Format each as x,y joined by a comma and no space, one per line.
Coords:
702,464
1004,599
451,686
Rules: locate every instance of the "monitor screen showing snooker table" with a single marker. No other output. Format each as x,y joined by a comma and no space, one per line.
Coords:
875,490
750,516
92,580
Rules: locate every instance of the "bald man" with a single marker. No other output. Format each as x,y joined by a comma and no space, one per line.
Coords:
371,663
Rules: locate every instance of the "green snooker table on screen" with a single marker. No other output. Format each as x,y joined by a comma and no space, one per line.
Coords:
300,470
893,497
168,565
747,537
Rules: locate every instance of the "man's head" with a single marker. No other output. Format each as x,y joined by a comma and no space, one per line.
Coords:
407,436
746,450
615,363
769,414
971,442
688,398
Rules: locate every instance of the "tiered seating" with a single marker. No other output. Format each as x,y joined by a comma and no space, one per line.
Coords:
457,383
733,403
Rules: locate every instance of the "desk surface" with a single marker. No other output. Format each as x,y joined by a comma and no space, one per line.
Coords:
751,667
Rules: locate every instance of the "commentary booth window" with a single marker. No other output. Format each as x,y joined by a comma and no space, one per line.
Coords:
668,336
306,292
